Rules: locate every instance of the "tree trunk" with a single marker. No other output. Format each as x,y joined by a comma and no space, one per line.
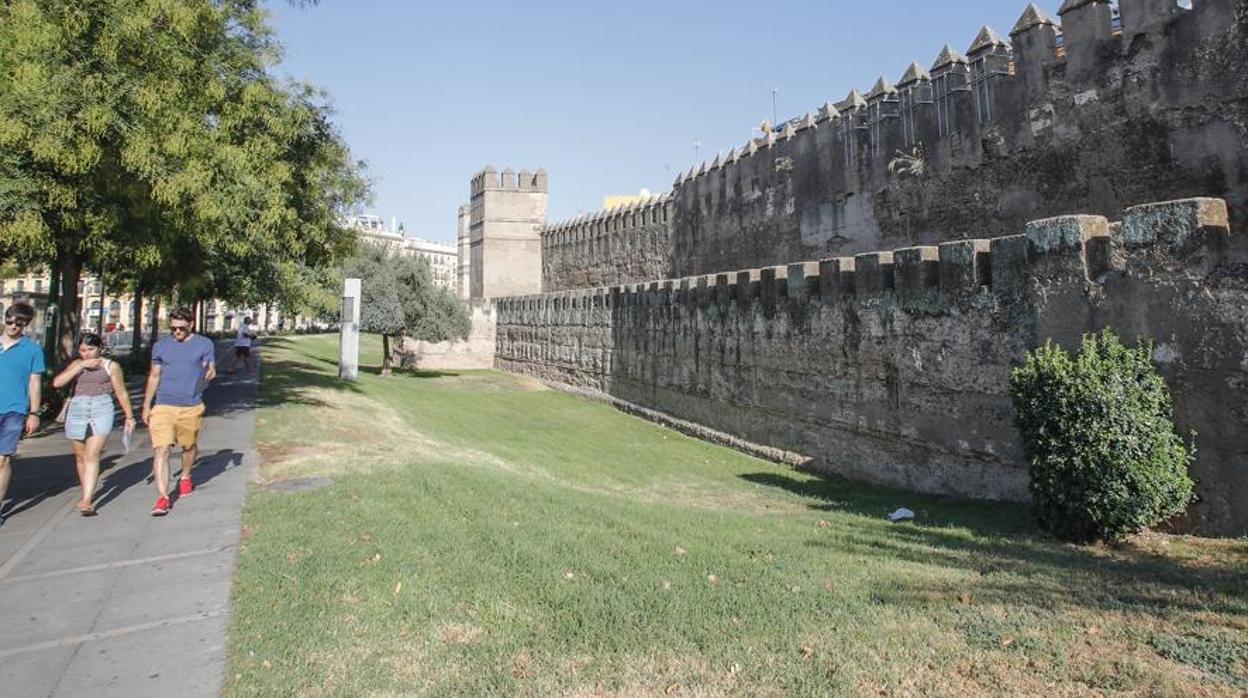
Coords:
52,316
155,320
136,323
385,359
99,320
70,315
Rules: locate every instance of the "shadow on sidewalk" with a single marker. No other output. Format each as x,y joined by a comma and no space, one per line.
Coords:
207,467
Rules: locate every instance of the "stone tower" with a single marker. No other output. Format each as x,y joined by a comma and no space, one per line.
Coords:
463,281
505,217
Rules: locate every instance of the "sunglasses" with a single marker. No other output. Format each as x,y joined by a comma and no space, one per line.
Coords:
180,328
15,323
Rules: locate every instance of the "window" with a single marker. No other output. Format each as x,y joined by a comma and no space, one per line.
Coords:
38,285
838,213
21,285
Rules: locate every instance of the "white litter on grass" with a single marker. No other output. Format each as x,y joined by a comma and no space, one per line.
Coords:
902,514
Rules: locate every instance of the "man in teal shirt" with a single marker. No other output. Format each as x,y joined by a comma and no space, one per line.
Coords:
21,368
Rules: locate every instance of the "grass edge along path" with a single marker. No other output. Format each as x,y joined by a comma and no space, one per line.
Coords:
486,536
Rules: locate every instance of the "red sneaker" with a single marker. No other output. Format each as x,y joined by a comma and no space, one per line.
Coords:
162,506
185,487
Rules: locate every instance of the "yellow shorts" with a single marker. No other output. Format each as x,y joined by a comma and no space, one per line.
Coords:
176,424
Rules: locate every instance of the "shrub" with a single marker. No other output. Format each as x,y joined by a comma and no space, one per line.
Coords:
1099,433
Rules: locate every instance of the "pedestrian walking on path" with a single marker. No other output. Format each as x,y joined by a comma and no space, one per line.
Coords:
89,415
173,408
242,346
138,607
21,369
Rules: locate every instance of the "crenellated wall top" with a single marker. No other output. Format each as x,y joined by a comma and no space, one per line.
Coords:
1069,248
652,210
987,43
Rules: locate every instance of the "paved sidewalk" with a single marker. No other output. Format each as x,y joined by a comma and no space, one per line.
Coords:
124,604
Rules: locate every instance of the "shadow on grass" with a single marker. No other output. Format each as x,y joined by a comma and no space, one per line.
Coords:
413,373
1017,563
833,493
286,380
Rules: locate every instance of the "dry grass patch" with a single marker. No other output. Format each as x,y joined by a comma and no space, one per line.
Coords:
458,633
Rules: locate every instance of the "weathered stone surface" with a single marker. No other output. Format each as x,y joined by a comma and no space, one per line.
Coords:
894,366
1113,120
624,245
505,215
474,352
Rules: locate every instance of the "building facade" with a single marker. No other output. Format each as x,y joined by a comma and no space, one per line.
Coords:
443,259
112,311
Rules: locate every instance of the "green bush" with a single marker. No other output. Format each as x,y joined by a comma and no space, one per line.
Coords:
1099,433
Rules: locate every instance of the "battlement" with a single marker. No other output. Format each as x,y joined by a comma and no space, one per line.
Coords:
656,209
894,366
1078,249
621,244
490,179
1041,56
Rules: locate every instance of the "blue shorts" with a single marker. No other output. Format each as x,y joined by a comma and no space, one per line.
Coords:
11,426
93,412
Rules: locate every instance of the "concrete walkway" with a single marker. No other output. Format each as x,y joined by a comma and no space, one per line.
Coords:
124,604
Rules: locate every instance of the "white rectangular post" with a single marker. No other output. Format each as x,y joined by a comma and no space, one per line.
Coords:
349,331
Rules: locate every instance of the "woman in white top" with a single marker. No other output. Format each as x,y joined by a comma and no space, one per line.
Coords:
242,346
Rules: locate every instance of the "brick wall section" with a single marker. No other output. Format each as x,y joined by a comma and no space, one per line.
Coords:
893,367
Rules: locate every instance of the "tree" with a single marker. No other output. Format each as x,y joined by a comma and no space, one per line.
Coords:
1098,430
149,138
399,299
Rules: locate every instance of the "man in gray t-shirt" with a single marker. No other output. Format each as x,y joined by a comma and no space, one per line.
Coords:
173,406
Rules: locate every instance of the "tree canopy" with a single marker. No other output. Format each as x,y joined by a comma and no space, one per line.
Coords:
149,137
400,299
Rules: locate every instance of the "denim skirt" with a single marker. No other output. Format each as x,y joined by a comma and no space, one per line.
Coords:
94,412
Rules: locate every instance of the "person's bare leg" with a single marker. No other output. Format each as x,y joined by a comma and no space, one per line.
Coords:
4,477
80,454
188,460
160,469
91,466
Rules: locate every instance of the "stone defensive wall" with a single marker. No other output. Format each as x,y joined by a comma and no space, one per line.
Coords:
893,367
621,245
1093,114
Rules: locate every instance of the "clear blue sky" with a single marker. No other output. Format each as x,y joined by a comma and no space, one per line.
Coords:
608,97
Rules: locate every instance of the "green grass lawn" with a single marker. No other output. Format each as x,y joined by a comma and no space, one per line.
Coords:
484,535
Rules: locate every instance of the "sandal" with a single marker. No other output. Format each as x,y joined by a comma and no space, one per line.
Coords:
86,508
